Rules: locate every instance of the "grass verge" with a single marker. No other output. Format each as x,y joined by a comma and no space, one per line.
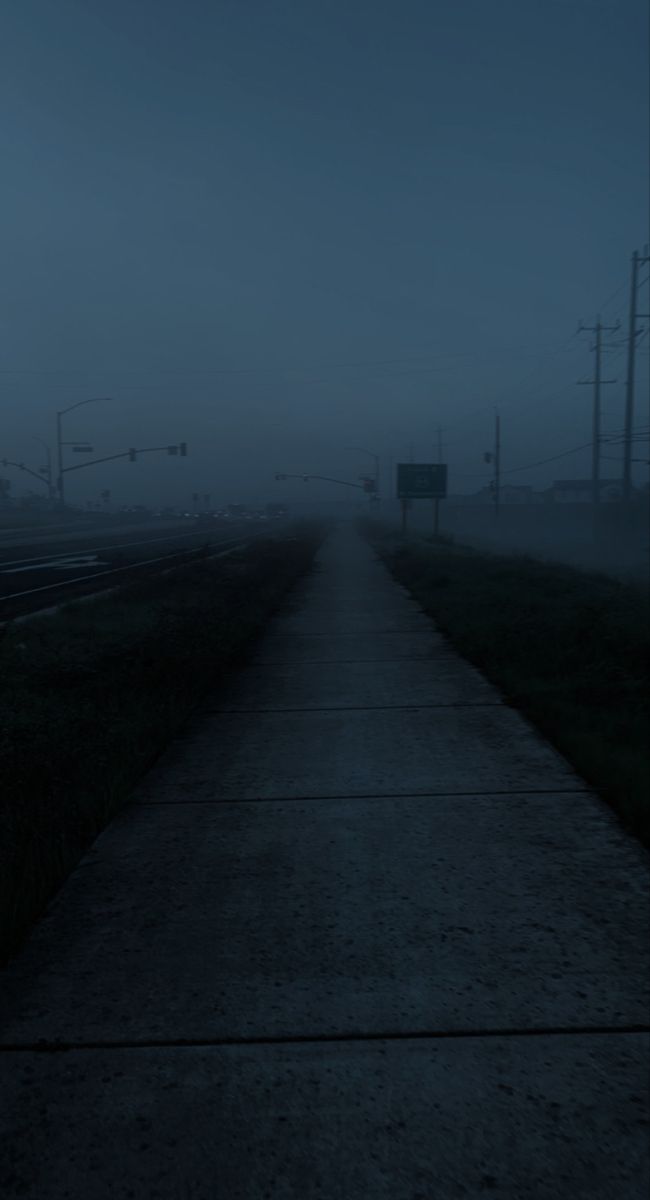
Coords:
569,648
91,696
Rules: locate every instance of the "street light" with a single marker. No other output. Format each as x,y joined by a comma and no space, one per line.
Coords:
361,450
59,443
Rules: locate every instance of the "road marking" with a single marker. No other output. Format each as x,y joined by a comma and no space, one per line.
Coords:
49,559
113,571
59,564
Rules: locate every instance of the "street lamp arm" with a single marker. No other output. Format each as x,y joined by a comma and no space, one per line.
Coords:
92,400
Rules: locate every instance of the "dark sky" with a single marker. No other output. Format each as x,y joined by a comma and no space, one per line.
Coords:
280,228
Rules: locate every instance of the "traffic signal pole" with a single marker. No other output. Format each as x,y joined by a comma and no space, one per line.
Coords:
59,459
633,333
497,464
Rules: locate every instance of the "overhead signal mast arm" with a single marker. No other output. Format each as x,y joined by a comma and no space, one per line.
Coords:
131,454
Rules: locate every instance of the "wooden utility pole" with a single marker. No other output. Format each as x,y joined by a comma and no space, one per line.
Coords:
597,382
637,261
436,502
497,464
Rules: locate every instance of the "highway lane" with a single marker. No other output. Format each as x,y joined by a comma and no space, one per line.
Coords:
32,577
37,542
48,533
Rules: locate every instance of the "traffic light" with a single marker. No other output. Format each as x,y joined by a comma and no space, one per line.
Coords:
132,454
183,449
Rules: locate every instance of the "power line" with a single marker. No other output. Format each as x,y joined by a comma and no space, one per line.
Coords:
542,462
613,296
278,370
558,350
610,439
597,383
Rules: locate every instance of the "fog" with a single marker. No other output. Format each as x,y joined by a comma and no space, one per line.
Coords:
276,231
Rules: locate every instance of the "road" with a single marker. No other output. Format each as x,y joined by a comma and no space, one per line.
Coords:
43,568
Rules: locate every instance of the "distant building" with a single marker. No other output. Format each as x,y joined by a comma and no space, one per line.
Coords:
509,493
517,493
484,496
579,491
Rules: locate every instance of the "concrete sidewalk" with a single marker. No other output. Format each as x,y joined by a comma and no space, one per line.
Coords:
362,934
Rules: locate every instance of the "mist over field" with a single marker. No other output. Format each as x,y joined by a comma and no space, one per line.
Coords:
298,236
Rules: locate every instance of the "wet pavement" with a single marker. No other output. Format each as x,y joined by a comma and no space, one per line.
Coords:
362,933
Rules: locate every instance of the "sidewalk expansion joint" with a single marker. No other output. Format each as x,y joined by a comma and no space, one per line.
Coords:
243,712
355,633
346,662
43,1046
564,791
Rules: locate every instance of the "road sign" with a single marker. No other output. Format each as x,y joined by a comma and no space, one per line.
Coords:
421,481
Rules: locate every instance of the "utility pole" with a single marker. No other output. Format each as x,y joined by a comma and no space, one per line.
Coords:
597,383
436,502
373,497
637,261
497,463
494,456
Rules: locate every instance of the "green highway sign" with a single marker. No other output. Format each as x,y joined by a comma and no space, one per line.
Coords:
421,481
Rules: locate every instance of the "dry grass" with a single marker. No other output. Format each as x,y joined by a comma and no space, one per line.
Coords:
91,696
570,648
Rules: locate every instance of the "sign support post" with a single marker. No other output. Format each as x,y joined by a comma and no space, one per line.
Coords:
421,481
